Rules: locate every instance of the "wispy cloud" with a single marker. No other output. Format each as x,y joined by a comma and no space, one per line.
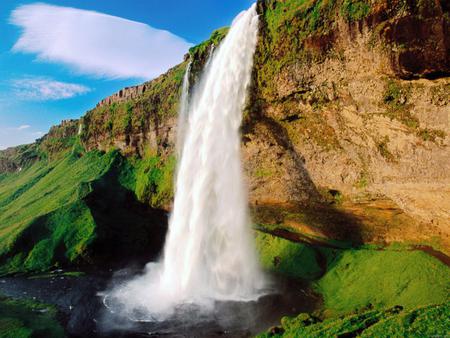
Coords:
95,43
44,89
13,129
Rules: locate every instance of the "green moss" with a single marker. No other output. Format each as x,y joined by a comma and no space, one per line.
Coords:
357,287
395,98
287,258
333,196
55,212
154,180
431,134
24,318
431,321
216,37
355,279
354,10
363,180
263,172
361,278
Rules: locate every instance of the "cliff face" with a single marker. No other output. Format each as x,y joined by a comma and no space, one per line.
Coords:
345,134
341,113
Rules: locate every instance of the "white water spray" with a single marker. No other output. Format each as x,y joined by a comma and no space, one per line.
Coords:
209,253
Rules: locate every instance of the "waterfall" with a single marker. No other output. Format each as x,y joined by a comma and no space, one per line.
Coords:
183,111
209,253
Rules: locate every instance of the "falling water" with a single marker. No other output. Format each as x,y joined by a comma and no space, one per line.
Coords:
209,253
183,112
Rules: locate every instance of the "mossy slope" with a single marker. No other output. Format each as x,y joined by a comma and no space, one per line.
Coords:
354,279
79,209
430,321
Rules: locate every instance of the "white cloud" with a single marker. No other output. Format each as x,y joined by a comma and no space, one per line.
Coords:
95,43
43,89
22,127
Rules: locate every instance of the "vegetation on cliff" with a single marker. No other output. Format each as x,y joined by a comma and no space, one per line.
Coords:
78,209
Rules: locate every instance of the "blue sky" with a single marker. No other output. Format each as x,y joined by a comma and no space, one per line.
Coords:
59,58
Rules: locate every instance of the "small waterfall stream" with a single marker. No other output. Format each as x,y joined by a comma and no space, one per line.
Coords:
183,110
209,253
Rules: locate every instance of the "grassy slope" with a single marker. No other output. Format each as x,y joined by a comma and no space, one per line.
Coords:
45,200
53,213
366,282
430,321
359,278
373,278
22,319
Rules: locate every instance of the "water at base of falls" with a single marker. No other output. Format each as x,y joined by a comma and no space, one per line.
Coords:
209,255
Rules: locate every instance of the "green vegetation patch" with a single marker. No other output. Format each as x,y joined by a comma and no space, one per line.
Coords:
42,213
354,10
83,205
216,37
24,318
431,321
382,278
286,257
396,99
353,279
154,180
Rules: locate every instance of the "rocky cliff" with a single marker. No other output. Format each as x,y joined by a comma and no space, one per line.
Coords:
350,104
345,134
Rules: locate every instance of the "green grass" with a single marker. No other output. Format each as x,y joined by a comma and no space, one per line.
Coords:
287,258
431,134
44,205
216,37
363,278
154,180
431,321
367,292
57,213
24,318
359,278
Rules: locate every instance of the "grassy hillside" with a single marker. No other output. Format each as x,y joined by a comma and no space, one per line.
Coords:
81,207
359,278
430,321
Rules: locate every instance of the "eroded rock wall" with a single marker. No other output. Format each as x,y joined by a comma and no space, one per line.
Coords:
342,111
